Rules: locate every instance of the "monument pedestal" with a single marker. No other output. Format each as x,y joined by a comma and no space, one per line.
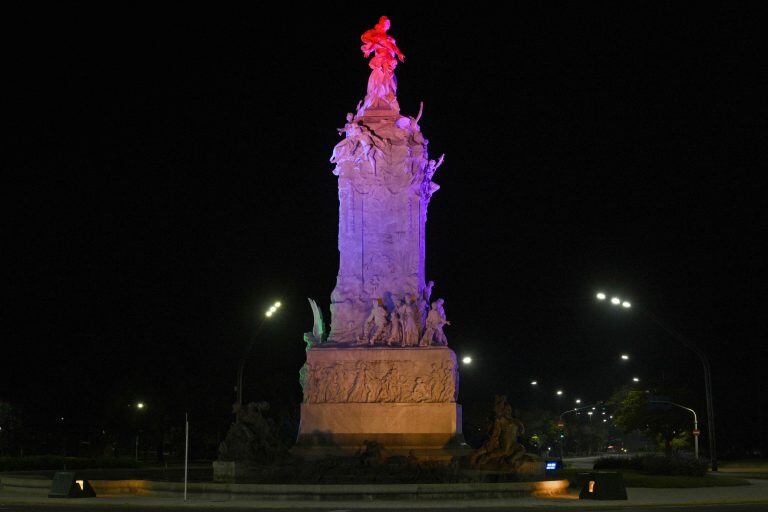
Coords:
401,398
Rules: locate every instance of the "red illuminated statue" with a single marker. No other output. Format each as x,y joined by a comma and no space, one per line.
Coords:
382,85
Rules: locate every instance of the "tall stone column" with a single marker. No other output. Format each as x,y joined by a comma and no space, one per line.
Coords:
383,199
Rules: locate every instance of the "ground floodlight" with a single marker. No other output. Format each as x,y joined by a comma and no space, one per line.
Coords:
64,485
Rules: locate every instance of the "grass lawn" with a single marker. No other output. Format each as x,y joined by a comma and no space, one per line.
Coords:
637,479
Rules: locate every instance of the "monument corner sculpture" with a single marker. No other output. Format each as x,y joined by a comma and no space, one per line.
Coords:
501,448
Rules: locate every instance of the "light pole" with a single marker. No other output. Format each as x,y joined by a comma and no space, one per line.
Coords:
704,363
239,385
139,407
695,423
561,423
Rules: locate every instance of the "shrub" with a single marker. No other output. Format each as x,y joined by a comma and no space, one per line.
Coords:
654,465
659,465
635,462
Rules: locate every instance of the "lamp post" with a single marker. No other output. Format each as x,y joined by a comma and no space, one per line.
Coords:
561,423
695,423
239,385
139,407
702,359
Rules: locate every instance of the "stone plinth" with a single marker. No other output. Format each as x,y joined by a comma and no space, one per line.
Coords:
402,398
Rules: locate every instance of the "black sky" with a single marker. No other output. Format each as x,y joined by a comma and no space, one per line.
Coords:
166,177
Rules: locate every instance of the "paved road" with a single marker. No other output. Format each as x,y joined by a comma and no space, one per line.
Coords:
132,508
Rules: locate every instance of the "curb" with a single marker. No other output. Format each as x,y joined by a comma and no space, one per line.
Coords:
290,492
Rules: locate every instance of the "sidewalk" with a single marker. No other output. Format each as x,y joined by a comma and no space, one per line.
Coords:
755,493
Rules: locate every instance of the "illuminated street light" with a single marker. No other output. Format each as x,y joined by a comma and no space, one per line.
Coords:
600,296
705,366
624,357
239,386
578,400
559,392
466,360
635,379
273,309
139,406
534,383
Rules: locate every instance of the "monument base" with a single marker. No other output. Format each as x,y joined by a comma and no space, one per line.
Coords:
403,399
427,431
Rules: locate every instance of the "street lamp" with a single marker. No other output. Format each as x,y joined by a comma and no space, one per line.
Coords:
139,407
239,387
466,360
695,423
635,379
578,400
625,357
534,383
559,392
707,376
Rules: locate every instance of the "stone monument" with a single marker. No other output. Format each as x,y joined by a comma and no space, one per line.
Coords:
384,372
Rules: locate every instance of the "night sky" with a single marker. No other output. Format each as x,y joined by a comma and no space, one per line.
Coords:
166,178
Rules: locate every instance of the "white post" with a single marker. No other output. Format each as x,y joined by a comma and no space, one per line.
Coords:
696,436
186,452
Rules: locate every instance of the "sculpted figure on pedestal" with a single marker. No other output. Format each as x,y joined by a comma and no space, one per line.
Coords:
357,135
376,326
501,446
429,187
395,331
252,437
433,329
382,85
410,316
